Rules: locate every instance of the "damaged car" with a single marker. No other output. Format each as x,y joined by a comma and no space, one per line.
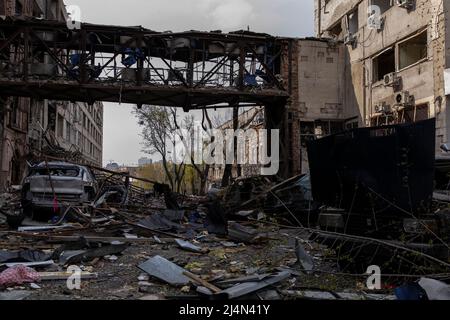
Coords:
49,187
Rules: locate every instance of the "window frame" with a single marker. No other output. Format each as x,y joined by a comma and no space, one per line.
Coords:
397,49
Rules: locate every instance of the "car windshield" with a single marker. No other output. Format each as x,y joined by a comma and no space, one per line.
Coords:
57,172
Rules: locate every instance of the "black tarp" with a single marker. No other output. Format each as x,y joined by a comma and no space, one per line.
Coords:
378,169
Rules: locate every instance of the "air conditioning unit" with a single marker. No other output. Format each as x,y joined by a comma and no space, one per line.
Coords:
404,99
407,4
376,22
382,108
391,79
350,39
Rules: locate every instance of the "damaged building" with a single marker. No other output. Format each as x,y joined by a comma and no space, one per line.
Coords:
314,72
396,58
31,127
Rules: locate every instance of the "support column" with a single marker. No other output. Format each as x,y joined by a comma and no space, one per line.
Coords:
228,172
2,153
276,118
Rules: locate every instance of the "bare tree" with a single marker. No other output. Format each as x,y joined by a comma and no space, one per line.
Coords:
158,128
201,169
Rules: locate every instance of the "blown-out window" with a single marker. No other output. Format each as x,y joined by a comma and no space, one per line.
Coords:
383,64
384,5
2,8
353,22
19,8
413,50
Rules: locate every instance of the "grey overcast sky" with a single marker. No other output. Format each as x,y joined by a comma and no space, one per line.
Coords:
293,18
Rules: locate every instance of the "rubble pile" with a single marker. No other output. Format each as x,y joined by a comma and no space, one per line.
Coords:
261,238
151,251
132,247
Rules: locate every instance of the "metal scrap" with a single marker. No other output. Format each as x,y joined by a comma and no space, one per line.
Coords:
186,245
165,270
250,287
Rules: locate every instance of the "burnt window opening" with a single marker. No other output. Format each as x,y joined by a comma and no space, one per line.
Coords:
383,65
310,130
18,115
384,5
60,126
2,8
414,113
306,132
383,120
413,50
336,30
51,117
353,22
19,8
352,124
14,115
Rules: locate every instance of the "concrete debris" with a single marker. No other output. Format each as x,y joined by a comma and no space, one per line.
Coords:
251,240
240,233
174,215
303,258
186,245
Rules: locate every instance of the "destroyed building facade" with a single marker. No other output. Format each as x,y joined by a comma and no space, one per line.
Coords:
28,126
249,121
396,57
313,71
319,94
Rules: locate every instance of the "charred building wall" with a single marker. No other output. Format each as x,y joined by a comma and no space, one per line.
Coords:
315,70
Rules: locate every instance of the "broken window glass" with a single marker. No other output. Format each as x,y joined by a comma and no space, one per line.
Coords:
383,65
384,5
413,50
2,8
353,22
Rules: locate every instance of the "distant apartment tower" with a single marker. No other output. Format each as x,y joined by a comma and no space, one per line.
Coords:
74,127
396,58
144,161
31,128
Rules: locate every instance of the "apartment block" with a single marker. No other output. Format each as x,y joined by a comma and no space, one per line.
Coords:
396,58
32,128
